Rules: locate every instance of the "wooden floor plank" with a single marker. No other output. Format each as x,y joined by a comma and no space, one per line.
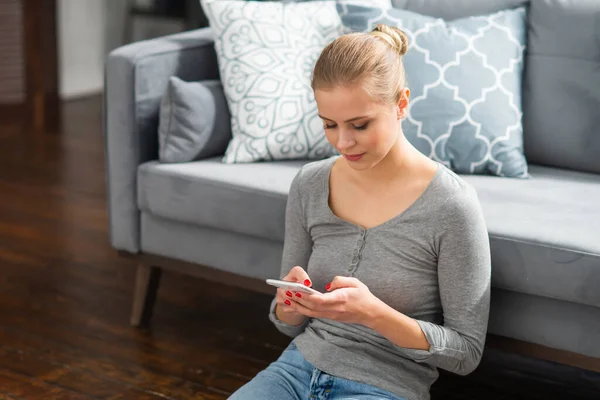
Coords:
90,333
53,369
148,373
108,316
20,385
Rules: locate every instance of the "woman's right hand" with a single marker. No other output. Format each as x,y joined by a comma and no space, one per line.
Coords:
284,312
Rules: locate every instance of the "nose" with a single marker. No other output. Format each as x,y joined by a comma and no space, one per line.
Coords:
345,139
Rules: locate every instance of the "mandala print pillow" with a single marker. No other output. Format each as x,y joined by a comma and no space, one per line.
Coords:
370,3
465,80
266,52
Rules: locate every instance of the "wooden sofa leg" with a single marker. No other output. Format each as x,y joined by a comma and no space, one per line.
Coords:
146,288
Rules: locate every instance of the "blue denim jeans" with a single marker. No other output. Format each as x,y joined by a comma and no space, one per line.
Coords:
292,377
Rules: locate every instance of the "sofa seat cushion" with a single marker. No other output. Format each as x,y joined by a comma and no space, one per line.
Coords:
544,231
243,198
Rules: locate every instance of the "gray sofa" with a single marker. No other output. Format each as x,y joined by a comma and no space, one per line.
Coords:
209,216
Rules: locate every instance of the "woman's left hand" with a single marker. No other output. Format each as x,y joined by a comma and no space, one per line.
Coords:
348,300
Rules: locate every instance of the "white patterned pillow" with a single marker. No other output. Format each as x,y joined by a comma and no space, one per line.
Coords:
370,3
266,52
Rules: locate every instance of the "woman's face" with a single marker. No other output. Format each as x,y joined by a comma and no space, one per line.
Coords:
361,129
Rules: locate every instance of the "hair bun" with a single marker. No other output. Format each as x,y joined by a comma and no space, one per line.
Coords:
395,37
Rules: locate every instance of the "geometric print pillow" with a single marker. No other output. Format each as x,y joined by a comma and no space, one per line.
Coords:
465,80
266,52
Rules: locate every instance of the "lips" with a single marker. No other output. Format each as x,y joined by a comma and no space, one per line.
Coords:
354,157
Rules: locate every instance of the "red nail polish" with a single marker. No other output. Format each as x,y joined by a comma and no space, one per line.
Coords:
306,282
288,294
298,295
288,303
328,286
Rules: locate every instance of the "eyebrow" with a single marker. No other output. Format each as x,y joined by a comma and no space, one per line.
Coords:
349,120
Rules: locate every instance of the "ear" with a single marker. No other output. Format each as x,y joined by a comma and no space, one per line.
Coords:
403,103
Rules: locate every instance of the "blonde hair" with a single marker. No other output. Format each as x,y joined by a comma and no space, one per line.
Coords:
374,59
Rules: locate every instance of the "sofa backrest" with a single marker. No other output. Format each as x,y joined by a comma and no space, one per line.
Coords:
561,86
561,109
453,9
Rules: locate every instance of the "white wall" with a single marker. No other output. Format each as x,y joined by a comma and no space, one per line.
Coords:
115,11
81,46
87,31
141,28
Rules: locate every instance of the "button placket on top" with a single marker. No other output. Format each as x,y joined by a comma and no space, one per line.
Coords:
357,253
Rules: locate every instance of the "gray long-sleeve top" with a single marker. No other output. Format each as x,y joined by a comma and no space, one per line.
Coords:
431,262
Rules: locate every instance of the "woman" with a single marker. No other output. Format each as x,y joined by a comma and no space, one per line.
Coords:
395,241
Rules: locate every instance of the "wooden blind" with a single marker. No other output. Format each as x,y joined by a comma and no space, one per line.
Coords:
12,53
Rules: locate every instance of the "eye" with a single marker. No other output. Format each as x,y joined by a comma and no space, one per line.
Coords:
361,127
329,126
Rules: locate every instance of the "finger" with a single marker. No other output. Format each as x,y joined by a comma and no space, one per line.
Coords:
284,294
285,304
288,308
298,274
302,309
309,300
327,305
342,282
281,303
334,298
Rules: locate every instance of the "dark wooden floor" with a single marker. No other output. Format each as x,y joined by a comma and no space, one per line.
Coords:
65,299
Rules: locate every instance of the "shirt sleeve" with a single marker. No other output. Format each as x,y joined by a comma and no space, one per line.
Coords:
464,275
297,248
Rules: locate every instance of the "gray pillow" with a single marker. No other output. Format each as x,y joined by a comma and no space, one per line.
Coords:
194,121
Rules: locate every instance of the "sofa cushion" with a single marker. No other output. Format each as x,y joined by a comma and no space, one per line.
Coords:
243,198
194,121
561,90
561,96
266,53
543,231
465,81
223,250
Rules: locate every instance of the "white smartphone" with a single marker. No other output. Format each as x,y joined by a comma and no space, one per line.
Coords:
292,286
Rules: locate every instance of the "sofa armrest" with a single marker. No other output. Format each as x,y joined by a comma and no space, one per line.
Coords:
136,76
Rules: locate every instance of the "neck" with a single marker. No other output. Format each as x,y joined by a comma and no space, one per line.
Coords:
397,164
